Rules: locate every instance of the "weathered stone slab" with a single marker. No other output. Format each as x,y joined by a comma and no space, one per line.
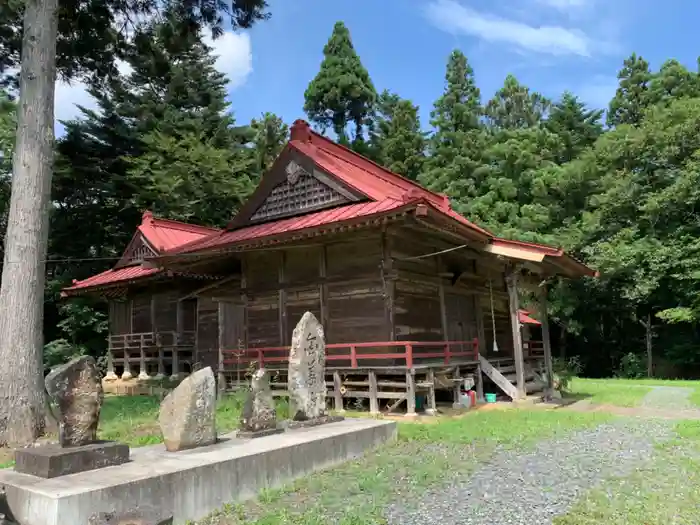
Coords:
51,461
307,368
246,434
139,516
187,414
291,425
76,390
259,416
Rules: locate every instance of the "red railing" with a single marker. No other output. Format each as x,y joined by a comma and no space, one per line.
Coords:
360,355
533,348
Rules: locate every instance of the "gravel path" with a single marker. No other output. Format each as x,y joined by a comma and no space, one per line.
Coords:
518,488
671,397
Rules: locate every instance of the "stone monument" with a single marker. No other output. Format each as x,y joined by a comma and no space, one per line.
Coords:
307,374
188,414
259,417
76,390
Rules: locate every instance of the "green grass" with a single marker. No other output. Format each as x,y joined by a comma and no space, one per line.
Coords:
666,492
617,392
626,392
429,455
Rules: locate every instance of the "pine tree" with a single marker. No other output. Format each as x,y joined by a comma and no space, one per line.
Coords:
398,140
632,95
672,81
514,106
459,108
269,134
577,127
456,145
342,91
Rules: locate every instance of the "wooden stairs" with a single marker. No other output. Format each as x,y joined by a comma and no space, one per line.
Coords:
502,373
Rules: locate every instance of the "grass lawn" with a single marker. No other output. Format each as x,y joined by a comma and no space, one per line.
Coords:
666,492
358,492
618,392
626,392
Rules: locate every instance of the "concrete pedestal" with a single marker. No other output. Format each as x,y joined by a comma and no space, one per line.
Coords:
191,484
51,461
249,434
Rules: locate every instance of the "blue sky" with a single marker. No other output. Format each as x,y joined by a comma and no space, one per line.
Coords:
549,45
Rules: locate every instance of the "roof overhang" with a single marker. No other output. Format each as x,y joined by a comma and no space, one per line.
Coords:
553,260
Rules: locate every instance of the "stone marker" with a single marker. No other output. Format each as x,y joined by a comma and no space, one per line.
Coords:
76,389
139,516
307,374
187,414
259,417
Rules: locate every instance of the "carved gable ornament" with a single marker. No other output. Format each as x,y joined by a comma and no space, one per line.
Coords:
299,192
294,172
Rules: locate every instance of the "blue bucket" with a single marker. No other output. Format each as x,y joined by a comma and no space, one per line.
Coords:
490,398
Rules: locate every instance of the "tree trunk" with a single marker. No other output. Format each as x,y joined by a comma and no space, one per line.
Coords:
22,408
649,334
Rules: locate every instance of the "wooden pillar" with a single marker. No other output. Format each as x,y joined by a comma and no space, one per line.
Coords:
126,374
161,358
282,306
388,285
323,289
110,376
220,376
514,304
432,406
143,373
443,308
337,394
410,393
373,399
542,293
481,334
174,364
457,388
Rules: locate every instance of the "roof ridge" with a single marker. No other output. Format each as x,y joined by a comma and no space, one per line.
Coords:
173,224
353,157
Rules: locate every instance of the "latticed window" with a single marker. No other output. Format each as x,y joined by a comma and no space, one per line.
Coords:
139,253
295,195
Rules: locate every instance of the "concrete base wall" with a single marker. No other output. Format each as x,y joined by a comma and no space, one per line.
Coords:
191,484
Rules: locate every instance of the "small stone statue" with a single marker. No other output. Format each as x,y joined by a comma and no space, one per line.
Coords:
76,389
259,417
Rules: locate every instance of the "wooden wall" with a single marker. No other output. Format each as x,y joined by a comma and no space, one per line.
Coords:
153,309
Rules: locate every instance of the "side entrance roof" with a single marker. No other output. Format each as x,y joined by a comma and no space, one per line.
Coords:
153,237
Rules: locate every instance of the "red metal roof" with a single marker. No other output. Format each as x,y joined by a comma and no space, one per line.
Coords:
162,235
365,176
524,318
337,215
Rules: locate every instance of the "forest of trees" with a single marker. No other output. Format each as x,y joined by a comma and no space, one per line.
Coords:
619,188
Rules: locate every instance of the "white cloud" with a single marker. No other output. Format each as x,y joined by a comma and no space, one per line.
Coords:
454,17
566,5
234,59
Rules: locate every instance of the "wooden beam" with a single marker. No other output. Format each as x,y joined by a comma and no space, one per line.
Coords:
514,306
443,305
498,378
337,394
